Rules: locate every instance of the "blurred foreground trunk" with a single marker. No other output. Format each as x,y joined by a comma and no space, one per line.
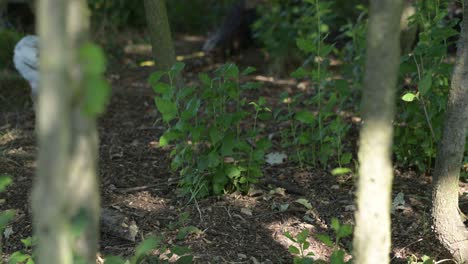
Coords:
372,234
65,196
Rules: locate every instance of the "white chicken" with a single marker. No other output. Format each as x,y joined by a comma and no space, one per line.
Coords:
26,59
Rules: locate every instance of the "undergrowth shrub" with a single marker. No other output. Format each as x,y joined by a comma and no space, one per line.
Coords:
214,129
425,75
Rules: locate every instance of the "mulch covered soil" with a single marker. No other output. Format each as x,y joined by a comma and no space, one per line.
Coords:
136,180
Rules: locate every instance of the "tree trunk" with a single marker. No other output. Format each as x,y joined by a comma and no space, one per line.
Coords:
448,225
65,195
372,233
160,35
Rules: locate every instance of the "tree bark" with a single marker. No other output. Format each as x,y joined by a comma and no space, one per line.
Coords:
160,35
65,195
372,234
448,225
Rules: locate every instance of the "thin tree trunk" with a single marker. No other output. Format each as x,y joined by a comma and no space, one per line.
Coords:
372,233
448,224
160,35
65,196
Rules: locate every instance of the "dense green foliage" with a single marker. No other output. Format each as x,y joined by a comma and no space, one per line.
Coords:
215,150
425,75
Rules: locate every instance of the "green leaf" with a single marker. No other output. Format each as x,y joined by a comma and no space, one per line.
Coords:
114,260
179,251
213,159
204,78
248,70
337,257
232,171
340,171
162,88
304,116
425,83
289,236
215,135
4,182
299,73
344,231
231,71
324,239
146,246
167,108
177,68
93,59
18,257
335,224
302,236
293,250
409,97
305,45
155,77
5,217
97,94
184,260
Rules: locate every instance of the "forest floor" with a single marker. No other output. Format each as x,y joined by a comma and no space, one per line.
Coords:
137,181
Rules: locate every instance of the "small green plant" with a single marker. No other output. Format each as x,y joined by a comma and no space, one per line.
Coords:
424,260
300,256
337,257
22,256
317,135
157,244
5,215
215,150
144,249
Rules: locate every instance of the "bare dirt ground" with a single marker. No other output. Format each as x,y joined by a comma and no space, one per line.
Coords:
137,181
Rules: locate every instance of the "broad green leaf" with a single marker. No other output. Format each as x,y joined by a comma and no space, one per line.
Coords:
155,77
162,88
184,260
337,257
232,171
94,61
231,71
146,246
299,73
335,224
425,83
302,236
289,236
179,251
345,230
293,250
4,182
177,68
6,216
18,257
187,230
306,117
114,260
324,239
97,94
409,97
167,108
305,45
